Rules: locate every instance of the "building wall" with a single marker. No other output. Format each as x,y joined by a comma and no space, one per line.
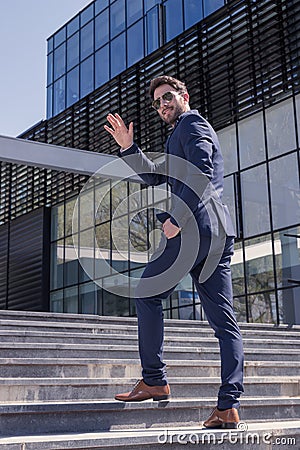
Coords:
241,66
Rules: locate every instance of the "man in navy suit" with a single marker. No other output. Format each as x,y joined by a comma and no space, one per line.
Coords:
198,238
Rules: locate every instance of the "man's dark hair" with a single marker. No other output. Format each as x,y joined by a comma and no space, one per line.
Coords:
165,79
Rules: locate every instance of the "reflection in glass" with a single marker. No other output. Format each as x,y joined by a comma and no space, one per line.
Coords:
102,201
152,30
87,40
113,305
117,17
100,5
88,298
59,96
59,37
280,128
240,310
73,51
73,26
71,263
56,302
134,11
259,264
70,208
102,66
298,114
56,264
87,14
229,198
57,222
71,300
86,77
255,204
227,139
262,308
59,61
289,308
174,18
103,250
212,5
118,55
251,140
49,101
237,270
50,68
135,47
285,193
72,86
193,12
287,250
101,29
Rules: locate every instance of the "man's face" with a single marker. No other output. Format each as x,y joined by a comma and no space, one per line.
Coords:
170,110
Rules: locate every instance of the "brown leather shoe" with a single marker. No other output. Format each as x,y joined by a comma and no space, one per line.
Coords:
223,419
141,391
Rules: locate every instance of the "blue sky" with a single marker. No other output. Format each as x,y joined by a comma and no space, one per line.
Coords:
25,26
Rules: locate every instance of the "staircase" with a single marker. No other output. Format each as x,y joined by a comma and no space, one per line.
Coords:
59,374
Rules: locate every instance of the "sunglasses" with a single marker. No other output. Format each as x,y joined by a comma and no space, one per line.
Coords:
167,97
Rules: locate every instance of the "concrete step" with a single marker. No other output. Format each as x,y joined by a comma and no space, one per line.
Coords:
62,350
110,339
121,321
123,368
201,331
55,389
82,417
258,435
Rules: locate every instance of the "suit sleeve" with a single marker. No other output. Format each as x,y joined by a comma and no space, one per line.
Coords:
197,144
151,173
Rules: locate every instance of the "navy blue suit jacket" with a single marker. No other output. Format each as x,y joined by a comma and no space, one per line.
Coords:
193,168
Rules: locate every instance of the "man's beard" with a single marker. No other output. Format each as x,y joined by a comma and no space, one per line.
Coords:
175,112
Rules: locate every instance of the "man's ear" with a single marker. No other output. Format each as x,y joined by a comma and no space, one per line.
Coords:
186,97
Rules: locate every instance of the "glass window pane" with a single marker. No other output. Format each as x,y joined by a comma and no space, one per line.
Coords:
212,5
59,61
298,114
71,300
152,30
251,140
134,11
117,17
150,3
88,298
193,12
285,193
287,251
102,66
240,309
73,51
262,308
229,198
50,45
71,266
289,309
49,69
135,43
57,264
86,77
72,86
73,26
259,264
56,302
49,101
100,5
101,29
255,204
280,128
69,212
228,143
118,55
59,96
87,40
174,18
59,37
57,222
237,270
87,15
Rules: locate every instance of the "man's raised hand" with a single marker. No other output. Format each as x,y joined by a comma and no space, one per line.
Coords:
121,134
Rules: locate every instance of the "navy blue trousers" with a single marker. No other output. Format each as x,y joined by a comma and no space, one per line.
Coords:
216,299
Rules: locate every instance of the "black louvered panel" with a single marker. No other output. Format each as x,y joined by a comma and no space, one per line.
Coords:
28,262
3,264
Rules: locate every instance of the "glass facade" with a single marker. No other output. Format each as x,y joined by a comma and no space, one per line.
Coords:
110,28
